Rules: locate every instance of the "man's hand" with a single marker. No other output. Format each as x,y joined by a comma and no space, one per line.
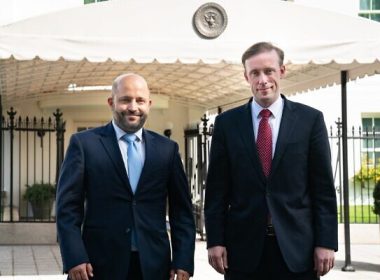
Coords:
217,258
81,272
181,274
323,260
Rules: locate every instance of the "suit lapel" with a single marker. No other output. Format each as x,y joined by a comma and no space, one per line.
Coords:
246,132
108,140
288,121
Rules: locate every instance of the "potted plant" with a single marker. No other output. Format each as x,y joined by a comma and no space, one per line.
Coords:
41,197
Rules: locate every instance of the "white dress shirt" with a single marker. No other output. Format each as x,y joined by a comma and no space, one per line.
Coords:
275,119
123,145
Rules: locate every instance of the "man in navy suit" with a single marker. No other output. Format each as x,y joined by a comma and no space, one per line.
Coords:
112,197
270,204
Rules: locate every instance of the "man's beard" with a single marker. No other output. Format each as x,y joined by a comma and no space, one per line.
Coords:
125,125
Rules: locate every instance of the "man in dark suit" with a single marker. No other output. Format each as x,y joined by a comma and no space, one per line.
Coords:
112,196
270,204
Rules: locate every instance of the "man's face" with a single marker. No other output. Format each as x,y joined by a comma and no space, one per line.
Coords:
263,73
130,104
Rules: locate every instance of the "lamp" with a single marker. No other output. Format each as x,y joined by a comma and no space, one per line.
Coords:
168,129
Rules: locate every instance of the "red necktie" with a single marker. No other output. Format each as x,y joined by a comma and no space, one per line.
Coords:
264,141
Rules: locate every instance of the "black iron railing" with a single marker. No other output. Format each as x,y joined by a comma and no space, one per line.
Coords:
31,152
363,169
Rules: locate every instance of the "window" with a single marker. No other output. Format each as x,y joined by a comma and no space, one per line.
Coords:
81,126
371,139
370,9
92,1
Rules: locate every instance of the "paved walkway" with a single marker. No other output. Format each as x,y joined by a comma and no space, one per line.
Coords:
43,262
28,261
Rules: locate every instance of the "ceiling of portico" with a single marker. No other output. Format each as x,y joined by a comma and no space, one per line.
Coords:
199,84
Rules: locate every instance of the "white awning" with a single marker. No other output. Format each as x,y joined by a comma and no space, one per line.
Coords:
91,45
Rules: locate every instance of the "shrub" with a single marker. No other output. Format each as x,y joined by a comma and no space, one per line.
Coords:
367,173
39,192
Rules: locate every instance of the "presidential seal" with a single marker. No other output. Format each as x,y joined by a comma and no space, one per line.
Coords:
210,20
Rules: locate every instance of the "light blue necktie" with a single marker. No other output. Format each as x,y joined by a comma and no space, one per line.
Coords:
135,162
135,165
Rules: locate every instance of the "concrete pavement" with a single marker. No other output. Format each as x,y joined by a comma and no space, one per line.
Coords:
43,262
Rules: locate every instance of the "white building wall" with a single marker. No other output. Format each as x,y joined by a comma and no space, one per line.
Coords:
350,7
363,99
15,10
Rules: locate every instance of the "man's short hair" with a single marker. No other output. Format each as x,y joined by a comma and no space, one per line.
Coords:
260,48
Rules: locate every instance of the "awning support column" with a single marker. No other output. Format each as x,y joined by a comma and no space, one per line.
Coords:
348,266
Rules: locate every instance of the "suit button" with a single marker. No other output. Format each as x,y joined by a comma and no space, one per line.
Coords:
127,230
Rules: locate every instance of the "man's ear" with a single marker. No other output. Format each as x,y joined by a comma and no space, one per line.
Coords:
245,75
282,71
110,101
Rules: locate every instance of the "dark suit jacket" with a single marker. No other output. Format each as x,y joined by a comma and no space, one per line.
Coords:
299,192
96,208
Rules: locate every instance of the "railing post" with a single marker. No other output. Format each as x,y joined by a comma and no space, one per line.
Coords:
339,167
11,127
1,159
60,128
204,120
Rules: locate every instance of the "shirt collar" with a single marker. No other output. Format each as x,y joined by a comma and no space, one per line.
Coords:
275,108
120,133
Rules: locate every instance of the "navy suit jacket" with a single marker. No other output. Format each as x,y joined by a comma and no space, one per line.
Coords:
96,208
299,192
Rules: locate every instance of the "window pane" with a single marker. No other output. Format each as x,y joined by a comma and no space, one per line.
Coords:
367,158
377,142
88,1
364,15
375,17
366,125
377,158
377,122
365,4
377,132
375,4
368,142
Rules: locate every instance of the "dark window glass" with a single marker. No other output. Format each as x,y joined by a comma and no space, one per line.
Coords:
365,4
93,1
375,4
377,158
377,143
364,15
375,17
368,142
377,132
377,123
367,124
